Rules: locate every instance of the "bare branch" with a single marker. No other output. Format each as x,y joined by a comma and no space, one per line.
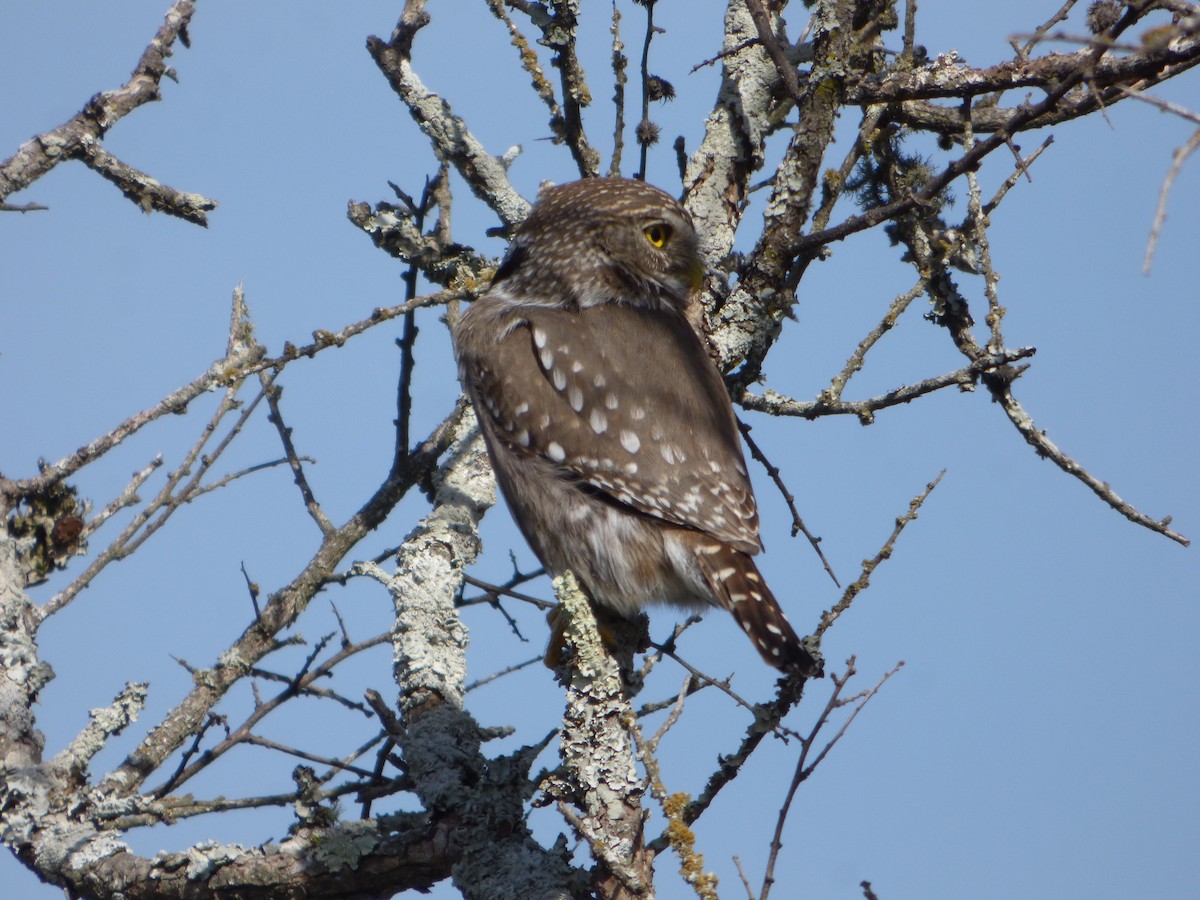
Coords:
79,137
243,352
798,525
599,777
964,378
804,769
870,565
1177,160
273,392
452,140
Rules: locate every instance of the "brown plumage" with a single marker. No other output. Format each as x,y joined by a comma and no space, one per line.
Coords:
610,430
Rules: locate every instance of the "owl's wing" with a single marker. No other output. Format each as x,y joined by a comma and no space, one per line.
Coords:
626,402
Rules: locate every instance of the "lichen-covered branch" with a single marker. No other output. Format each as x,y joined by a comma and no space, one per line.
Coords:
451,138
79,137
495,856
599,789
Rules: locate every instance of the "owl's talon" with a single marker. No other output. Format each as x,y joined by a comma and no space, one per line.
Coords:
556,646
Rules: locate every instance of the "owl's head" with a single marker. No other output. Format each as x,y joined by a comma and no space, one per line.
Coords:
602,240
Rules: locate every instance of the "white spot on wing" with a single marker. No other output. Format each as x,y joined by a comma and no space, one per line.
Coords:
611,401
559,377
539,338
555,451
630,441
575,396
599,421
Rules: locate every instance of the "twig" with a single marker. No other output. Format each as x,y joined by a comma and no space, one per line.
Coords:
1047,449
647,131
146,192
23,207
335,764
529,62
803,770
620,62
452,140
982,245
170,498
786,71
682,839
778,405
508,670
1010,182
1160,212
868,567
676,711
1177,160
78,137
102,724
231,477
560,35
253,590
742,875
652,659
694,686
494,590
294,687
720,684
243,351
798,525
127,497
1040,32
273,392
833,393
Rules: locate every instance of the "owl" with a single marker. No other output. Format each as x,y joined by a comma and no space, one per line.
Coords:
611,432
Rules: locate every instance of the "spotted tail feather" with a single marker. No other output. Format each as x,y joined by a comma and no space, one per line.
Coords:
736,581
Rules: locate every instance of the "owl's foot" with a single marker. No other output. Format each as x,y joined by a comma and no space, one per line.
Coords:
556,647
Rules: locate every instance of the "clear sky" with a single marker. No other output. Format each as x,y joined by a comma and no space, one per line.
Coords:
1040,740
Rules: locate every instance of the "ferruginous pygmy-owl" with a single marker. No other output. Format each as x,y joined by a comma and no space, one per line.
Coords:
610,429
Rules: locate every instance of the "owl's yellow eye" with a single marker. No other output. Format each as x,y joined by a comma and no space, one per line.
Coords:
657,234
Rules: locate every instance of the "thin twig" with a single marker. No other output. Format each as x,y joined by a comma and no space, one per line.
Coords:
647,132
488,679
335,764
798,525
295,687
620,62
273,393
1177,160
854,364
494,590
804,770
868,567
779,405
1010,182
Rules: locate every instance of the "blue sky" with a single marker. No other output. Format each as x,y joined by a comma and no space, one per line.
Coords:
1039,741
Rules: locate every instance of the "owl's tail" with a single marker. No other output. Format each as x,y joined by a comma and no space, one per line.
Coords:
736,581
